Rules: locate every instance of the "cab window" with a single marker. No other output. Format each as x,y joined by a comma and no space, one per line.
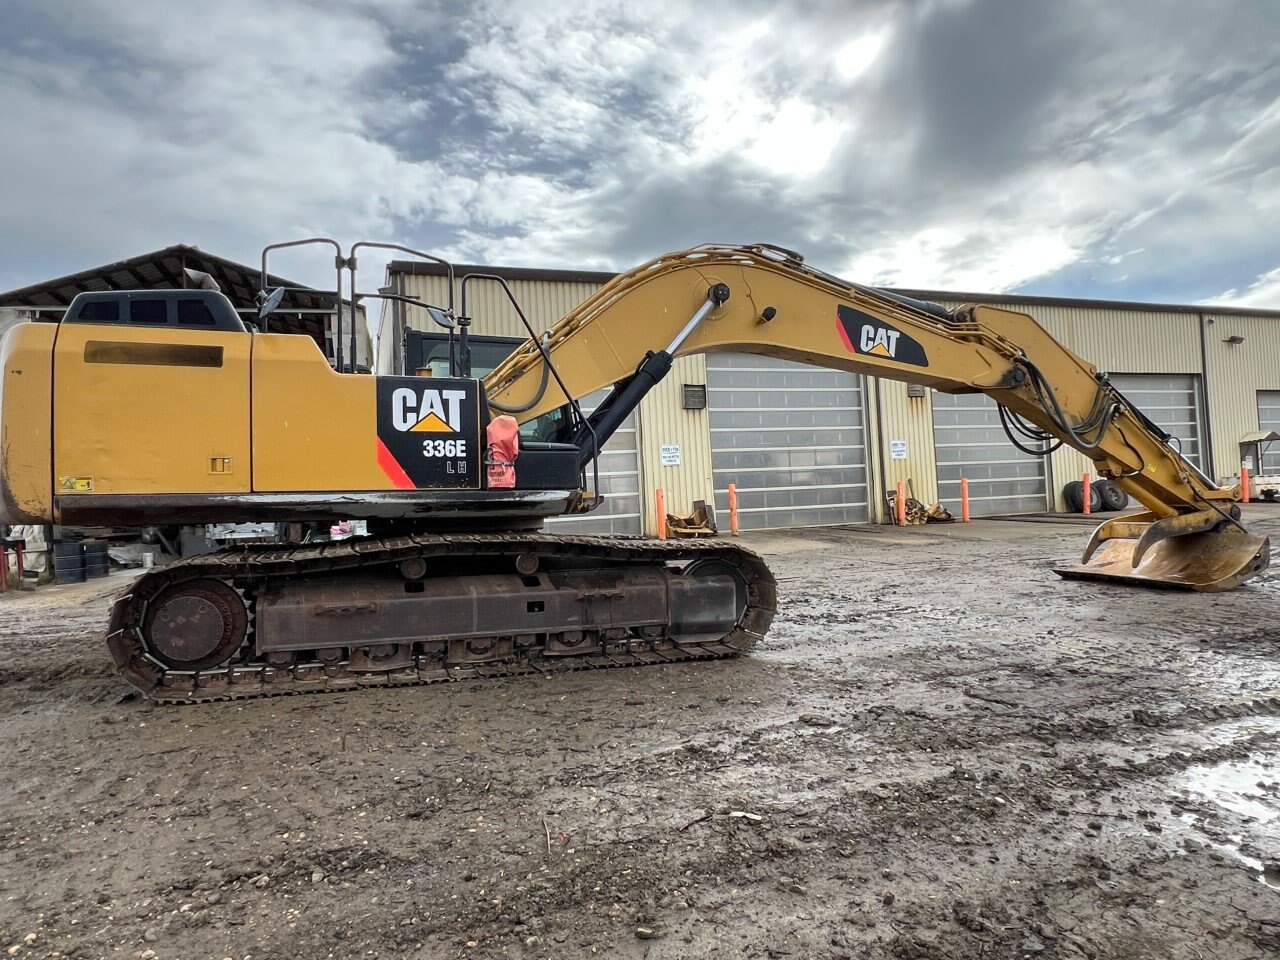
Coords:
99,311
195,313
152,313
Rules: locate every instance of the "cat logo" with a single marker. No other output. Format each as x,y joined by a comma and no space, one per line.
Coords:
433,411
429,432
878,340
870,336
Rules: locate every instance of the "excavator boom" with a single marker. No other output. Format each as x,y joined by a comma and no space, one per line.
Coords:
765,300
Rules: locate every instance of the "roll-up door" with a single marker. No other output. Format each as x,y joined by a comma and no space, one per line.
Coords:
1172,401
969,442
1269,419
619,482
791,439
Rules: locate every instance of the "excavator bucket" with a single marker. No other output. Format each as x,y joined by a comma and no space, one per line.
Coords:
1199,551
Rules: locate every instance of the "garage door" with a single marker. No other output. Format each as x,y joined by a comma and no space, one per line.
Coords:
1269,419
969,442
619,482
1173,402
790,437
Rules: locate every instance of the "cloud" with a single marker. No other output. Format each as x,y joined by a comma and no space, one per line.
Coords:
1114,150
138,131
1263,292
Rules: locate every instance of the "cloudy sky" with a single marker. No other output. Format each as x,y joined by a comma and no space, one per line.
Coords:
1121,150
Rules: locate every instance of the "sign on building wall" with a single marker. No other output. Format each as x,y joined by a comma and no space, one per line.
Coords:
669,454
897,449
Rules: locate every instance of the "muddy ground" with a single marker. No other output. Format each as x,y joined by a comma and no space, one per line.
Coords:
942,751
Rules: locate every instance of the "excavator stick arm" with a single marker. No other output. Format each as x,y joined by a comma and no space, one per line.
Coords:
765,301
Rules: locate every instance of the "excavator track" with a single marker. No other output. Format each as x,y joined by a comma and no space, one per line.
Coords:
209,615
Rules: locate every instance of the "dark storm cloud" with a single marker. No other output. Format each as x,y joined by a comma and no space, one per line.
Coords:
670,210
975,84
1120,150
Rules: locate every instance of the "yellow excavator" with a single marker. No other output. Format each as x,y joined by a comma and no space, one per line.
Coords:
164,407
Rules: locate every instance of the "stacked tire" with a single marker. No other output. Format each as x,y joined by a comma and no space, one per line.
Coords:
1113,498
1103,496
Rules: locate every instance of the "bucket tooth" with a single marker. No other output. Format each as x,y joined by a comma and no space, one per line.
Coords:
1197,551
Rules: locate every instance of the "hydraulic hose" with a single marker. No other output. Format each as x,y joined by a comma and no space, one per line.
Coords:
537,397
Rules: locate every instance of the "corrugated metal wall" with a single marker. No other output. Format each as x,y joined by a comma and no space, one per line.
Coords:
663,421
543,301
1236,373
905,419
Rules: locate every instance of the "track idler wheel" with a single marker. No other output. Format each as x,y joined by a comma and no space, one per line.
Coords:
195,625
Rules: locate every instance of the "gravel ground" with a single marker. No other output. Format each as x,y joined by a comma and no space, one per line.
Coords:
942,751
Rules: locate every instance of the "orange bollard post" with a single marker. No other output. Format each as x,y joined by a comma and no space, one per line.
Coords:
1244,484
901,504
662,514
733,509
1087,493
964,500
4,568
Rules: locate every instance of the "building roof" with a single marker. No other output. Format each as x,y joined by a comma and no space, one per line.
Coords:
995,299
1017,299
302,311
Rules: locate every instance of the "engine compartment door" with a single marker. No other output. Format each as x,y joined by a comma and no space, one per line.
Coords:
143,409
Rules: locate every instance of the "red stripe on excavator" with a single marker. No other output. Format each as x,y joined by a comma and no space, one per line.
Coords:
844,334
391,467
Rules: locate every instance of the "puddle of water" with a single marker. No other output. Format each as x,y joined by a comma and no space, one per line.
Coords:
1271,876
1268,873
1249,788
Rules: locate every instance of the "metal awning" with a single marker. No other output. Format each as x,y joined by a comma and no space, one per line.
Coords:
302,311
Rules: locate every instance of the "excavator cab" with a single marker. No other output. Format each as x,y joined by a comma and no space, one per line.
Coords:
426,354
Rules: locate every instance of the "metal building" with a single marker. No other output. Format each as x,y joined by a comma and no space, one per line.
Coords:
808,446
